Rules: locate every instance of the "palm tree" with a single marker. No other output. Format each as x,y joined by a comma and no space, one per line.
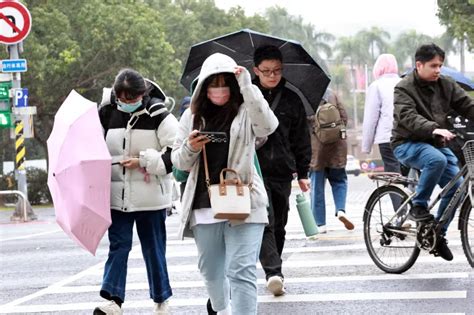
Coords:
375,37
283,24
338,79
353,49
452,44
406,44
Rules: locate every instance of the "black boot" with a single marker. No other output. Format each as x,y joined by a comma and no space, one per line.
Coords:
419,213
442,250
210,311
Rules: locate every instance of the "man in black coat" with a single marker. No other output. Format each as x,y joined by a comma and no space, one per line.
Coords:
283,154
422,102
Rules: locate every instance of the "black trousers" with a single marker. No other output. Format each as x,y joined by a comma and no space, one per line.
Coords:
390,162
274,234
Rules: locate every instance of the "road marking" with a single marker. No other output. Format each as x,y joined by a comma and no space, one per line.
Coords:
192,252
297,264
198,284
29,236
52,287
325,297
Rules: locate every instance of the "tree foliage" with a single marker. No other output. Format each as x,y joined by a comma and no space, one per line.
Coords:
282,24
405,46
82,45
458,16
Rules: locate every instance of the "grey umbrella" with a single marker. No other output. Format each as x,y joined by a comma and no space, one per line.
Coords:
301,71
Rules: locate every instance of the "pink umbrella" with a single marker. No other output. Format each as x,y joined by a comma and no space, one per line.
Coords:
79,172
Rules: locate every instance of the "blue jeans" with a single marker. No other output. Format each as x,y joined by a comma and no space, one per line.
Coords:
151,230
227,258
338,180
437,165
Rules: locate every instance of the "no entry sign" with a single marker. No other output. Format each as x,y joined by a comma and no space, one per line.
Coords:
15,22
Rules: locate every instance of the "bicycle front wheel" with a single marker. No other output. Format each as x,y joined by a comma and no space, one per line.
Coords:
466,227
390,240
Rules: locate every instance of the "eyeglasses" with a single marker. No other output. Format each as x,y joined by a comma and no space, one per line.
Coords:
267,73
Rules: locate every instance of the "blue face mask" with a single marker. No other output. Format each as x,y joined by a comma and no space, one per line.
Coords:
129,108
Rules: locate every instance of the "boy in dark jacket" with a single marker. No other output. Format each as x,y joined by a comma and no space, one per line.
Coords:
286,152
422,102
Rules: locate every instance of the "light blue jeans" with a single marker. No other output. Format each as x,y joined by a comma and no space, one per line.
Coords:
227,258
338,180
437,165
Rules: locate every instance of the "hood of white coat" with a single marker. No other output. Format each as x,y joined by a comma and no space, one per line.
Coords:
215,63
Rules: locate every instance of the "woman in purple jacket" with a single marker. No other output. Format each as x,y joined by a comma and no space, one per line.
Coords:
378,113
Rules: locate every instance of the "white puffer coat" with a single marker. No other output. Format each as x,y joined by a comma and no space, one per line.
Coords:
148,133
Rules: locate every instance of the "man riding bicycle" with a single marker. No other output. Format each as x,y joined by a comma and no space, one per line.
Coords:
422,101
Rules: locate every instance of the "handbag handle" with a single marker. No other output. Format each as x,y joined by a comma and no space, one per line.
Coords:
237,181
221,175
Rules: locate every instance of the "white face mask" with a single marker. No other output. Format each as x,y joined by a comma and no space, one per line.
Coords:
218,95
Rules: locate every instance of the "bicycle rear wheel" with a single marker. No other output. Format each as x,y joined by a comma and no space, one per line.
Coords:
466,226
391,245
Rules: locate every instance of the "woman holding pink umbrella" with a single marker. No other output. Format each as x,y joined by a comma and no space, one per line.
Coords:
139,132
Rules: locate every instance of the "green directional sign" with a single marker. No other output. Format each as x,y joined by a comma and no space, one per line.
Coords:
5,90
5,119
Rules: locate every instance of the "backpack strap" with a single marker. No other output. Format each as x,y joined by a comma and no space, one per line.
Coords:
276,101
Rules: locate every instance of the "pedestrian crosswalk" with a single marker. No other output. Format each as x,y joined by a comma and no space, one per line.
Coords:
331,274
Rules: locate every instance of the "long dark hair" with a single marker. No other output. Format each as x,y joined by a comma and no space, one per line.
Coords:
217,117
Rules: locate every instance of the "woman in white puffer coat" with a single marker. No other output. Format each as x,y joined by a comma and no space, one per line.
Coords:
139,132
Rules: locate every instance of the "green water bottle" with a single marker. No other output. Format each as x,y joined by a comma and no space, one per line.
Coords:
306,216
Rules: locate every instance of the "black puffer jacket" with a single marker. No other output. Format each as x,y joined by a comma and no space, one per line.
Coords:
288,149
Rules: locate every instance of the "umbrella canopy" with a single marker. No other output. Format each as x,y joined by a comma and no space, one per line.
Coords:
460,78
79,174
466,83
300,70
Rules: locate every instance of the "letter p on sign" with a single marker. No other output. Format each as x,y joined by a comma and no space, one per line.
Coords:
21,97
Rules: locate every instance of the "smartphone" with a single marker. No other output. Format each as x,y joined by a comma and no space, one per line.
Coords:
214,136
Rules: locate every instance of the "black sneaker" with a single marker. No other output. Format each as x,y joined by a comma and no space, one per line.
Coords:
419,213
442,250
210,311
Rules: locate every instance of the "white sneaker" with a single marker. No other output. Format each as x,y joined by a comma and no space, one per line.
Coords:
275,285
322,229
341,215
109,308
161,308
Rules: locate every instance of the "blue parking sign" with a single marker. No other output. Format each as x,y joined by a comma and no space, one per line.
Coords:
21,97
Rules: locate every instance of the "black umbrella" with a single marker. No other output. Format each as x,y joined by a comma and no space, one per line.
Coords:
302,73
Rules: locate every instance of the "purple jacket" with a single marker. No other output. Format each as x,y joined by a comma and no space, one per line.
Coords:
378,112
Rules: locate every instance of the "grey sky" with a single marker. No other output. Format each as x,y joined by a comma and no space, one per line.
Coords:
345,17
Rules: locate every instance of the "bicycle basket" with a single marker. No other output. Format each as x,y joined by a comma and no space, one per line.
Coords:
468,151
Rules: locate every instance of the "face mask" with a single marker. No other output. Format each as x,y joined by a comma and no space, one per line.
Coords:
129,108
219,95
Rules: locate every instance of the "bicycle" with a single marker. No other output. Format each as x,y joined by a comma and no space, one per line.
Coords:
394,241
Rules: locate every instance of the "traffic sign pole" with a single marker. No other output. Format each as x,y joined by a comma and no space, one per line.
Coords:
15,24
20,149
19,139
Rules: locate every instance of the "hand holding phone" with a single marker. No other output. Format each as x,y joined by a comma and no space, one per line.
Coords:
214,136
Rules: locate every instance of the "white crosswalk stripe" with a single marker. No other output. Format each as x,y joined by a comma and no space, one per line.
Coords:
333,268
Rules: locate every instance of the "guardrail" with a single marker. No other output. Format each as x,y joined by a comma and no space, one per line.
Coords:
22,196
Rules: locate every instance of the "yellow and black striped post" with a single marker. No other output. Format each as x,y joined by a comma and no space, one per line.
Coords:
19,146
